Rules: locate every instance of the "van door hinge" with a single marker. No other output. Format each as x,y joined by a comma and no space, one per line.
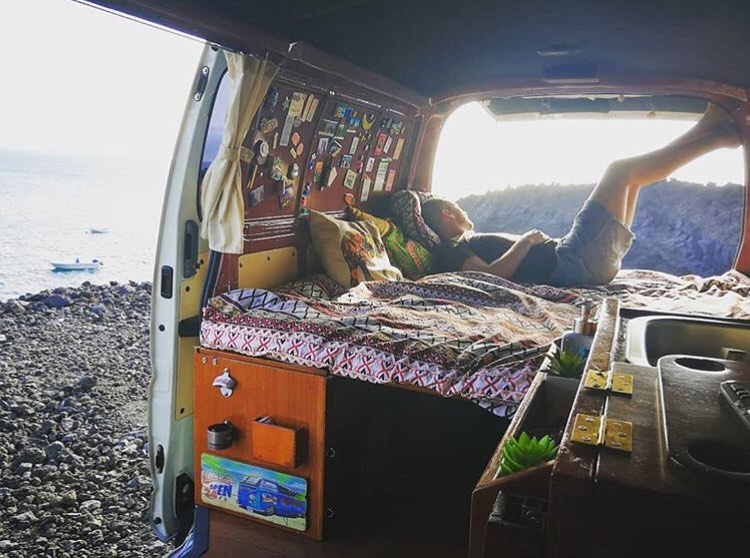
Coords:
603,431
616,382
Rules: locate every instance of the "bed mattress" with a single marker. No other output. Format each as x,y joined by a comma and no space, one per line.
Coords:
469,335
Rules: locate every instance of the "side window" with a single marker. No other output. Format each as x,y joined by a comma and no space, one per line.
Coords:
215,124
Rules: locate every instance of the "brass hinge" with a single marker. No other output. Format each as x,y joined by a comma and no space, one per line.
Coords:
616,382
603,431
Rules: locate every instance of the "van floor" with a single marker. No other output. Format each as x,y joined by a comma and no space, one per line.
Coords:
235,537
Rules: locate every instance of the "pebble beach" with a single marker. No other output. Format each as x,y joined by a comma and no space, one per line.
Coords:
74,376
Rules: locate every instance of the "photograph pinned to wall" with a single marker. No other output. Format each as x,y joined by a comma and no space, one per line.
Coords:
365,194
340,132
318,173
390,180
286,131
297,104
346,161
313,108
268,125
249,490
306,110
370,164
322,147
286,195
335,148
332,174
380,144
387,146
354,145
399,148
256,196
327,128
350,179
340,110
381,175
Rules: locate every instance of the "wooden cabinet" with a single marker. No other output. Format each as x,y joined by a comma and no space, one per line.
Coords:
277,412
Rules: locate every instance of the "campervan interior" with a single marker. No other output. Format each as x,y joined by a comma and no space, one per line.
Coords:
319,390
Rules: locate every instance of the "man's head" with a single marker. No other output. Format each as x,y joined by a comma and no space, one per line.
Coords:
445,218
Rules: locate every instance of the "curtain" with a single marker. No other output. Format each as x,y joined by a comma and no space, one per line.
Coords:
221,190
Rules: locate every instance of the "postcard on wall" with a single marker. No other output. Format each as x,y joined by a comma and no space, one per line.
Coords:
380,145
365,189
256,196
399,147
313,108
387,146
297,105
245,489
370,164
346,161
308,105
328,128
286,131
322,147
391,179
354,145
332,173
380,175
350,178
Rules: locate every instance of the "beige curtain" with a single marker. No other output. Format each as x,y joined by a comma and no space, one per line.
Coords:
221,191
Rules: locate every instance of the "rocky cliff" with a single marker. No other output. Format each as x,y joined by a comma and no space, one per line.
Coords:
680,227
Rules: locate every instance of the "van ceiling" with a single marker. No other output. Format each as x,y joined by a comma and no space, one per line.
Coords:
436,45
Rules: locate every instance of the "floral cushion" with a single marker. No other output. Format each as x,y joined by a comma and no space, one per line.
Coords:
350,252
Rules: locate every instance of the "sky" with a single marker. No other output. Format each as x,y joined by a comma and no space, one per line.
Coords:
79,81
477,153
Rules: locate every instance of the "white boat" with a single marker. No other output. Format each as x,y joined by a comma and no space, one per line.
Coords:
97,230
77,265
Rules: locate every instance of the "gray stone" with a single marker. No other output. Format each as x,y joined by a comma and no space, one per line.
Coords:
56,301
90,505
54,449
32,455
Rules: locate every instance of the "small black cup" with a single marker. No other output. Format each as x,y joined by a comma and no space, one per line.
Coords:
220,435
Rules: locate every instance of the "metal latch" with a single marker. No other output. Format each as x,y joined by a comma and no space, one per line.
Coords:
603,431
616,382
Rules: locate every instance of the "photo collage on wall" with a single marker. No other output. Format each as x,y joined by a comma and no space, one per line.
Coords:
355,150
277,143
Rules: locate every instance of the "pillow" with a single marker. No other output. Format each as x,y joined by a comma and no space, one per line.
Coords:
350,252
406,209
413,259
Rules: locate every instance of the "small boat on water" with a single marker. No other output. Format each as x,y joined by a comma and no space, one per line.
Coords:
77,265
97,230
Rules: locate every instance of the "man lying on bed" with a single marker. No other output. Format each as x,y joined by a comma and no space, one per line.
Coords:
591,253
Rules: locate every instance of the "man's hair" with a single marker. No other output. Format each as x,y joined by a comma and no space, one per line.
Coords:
432,213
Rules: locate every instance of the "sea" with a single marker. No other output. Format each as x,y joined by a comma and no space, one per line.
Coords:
49,203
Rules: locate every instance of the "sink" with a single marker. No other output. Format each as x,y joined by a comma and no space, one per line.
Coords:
651,337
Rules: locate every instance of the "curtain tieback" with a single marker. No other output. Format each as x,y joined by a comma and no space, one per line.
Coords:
235,154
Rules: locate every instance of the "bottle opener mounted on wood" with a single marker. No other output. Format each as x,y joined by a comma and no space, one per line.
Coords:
225,383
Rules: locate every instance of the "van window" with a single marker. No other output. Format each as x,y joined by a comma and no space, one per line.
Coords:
516,175
216,124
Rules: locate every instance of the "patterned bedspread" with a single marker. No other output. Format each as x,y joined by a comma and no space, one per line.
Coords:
469,335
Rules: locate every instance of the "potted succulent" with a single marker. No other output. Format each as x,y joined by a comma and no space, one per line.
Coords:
526,452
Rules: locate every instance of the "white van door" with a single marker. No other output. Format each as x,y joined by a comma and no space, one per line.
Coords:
181,264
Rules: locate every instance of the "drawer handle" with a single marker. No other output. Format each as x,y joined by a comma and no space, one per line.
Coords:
225,383
220,435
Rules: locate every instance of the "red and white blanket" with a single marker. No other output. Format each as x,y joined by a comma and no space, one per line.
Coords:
469,335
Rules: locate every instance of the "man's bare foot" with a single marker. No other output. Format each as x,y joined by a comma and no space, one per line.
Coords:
716,124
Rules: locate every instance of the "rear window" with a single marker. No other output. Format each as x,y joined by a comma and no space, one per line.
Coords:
513,175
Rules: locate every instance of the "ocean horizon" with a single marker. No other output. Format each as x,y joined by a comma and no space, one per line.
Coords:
49,203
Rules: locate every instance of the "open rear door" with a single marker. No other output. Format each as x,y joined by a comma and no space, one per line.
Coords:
181,264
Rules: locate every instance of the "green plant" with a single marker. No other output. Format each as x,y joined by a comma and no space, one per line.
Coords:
526,452
567,364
